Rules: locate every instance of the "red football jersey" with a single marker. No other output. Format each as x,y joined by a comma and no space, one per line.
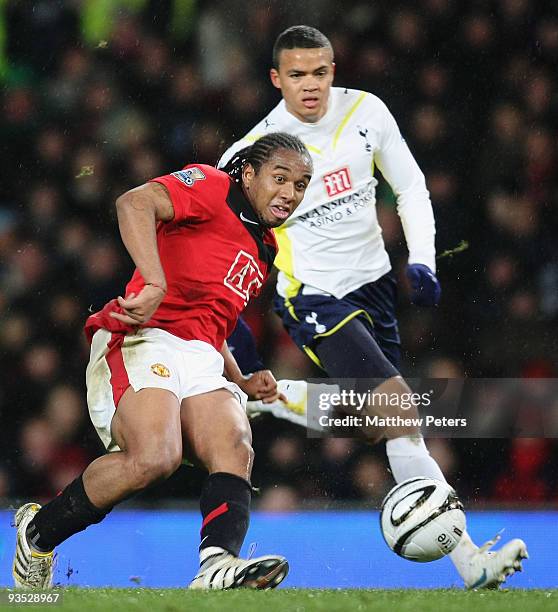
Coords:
215,256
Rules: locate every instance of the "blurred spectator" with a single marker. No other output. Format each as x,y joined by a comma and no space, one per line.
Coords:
66,412
52,154
15,331
102,272
371,479
539,98
63,90
444,455
286,457
41,363
39,30
547,37
501,160
5,485
445,367
541,163
525,482
144,164
46,464
37,447
279,498
338,454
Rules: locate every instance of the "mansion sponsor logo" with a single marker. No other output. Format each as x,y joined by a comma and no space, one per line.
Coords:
340,208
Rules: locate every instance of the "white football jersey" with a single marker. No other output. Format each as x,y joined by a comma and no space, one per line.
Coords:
333,242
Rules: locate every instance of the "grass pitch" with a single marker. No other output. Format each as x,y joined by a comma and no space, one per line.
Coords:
295,600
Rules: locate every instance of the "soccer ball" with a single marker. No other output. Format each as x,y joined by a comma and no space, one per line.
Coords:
422,519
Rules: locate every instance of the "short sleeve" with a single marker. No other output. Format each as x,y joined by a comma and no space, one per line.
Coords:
195,192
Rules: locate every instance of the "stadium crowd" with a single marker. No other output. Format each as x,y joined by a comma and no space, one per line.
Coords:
98,97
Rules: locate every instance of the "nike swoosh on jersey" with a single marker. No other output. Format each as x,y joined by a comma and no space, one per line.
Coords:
243,218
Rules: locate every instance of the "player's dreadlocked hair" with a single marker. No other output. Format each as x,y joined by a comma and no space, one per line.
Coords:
261,152
299,37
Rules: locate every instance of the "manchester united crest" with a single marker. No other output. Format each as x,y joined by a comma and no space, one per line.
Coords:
160,370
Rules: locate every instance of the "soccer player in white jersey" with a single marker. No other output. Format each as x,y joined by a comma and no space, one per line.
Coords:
336,293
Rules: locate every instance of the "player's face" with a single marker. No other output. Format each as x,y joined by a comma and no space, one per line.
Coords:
304,77
278,187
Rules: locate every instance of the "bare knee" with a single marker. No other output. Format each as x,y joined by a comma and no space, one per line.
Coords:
147,469
233,454
244,451
240,444
217,432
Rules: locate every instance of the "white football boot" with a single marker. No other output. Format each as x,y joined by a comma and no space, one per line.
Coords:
294,409
488,569
225,571
31,569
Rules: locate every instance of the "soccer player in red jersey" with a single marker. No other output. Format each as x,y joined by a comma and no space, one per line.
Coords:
202,243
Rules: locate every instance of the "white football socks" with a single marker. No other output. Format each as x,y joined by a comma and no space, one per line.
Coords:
461,554
408,458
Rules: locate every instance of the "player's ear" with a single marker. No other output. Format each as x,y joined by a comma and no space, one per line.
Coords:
333,68
248,174
274,76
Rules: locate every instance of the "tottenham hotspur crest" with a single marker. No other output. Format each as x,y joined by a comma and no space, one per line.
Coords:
364,133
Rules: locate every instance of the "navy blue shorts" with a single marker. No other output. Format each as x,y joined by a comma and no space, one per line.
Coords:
242,345
307,318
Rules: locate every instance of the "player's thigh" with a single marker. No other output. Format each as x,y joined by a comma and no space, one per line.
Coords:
147,422
133,380
353,352
215,428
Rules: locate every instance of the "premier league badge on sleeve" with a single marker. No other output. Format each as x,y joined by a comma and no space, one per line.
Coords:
189,176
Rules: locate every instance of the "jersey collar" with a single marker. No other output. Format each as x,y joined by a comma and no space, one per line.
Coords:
245,214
